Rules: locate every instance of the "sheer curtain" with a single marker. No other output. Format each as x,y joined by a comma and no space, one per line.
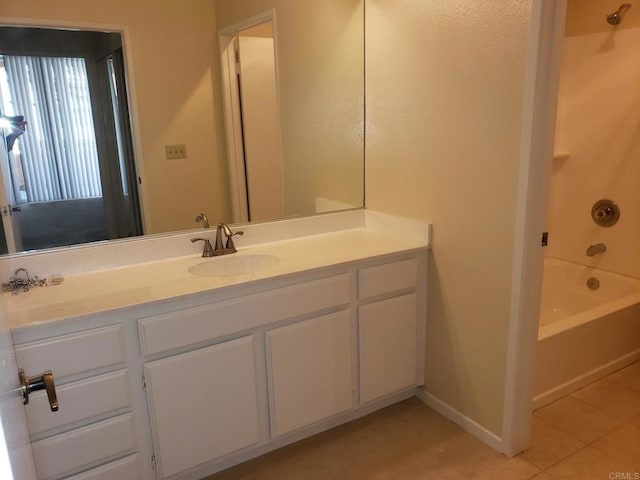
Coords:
58,150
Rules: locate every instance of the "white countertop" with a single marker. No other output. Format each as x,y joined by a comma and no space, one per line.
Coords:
127,286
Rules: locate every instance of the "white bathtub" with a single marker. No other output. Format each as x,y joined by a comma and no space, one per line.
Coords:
584,334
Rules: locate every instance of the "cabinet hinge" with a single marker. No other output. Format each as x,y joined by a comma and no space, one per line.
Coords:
153,462
545,239
144,383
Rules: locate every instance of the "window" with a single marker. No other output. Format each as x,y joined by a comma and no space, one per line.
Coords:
57,157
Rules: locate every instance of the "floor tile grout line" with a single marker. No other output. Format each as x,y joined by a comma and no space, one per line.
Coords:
608,432
565,458
622,423
637,468
611,414
555,427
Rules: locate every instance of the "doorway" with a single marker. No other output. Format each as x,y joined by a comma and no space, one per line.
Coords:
249,71
68,168
587,327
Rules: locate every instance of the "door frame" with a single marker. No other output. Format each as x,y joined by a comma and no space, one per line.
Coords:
539,119
232,109
10,224
16,455
129,75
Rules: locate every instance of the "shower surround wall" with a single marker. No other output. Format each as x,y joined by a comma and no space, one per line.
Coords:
599,127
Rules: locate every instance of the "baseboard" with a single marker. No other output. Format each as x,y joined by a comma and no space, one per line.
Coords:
474,428
576,383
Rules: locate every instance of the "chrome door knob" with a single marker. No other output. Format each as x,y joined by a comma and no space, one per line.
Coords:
41,382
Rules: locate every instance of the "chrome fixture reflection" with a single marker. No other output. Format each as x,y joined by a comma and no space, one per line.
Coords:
616,17
595,249
605,213
202,218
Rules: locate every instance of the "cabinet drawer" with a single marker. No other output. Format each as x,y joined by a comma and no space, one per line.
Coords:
79,401
74,353
83,446
125,469
388,278
388,346
178,329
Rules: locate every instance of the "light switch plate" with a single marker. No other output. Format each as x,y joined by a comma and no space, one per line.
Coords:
176,151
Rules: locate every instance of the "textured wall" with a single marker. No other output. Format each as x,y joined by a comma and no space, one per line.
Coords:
599,127
444,118
321,102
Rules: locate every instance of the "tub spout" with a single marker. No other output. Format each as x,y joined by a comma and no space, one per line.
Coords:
595,249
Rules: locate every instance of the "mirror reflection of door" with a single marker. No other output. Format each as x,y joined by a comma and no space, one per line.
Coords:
256,70
11,239
70,177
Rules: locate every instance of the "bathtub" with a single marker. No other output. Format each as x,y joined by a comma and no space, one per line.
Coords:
584,334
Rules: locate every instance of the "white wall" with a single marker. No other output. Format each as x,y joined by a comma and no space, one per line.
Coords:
598,122
444,118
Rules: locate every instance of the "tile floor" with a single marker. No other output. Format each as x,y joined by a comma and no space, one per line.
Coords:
591,434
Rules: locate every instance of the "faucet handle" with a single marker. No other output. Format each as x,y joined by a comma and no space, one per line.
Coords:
222,248
208,249
230,235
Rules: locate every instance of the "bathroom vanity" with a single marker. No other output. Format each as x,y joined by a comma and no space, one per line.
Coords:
164,374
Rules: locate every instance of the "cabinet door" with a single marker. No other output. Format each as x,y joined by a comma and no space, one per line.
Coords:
388,346
310,371
203,404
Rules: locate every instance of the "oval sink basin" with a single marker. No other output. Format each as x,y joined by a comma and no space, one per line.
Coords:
234,264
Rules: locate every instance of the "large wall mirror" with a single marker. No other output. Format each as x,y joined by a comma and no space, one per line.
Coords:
131,118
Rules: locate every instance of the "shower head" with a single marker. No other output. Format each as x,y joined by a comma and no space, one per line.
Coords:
616,17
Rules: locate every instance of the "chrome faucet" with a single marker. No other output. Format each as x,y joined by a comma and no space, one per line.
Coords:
222,246
597,248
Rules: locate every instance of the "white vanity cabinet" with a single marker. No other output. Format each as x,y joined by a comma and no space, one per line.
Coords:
391,329
310,370
94,425
203,404
206,377
182,388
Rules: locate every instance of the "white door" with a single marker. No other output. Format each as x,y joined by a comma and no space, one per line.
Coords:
263,164
16,460
388,347
200,408
8,207
310,371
